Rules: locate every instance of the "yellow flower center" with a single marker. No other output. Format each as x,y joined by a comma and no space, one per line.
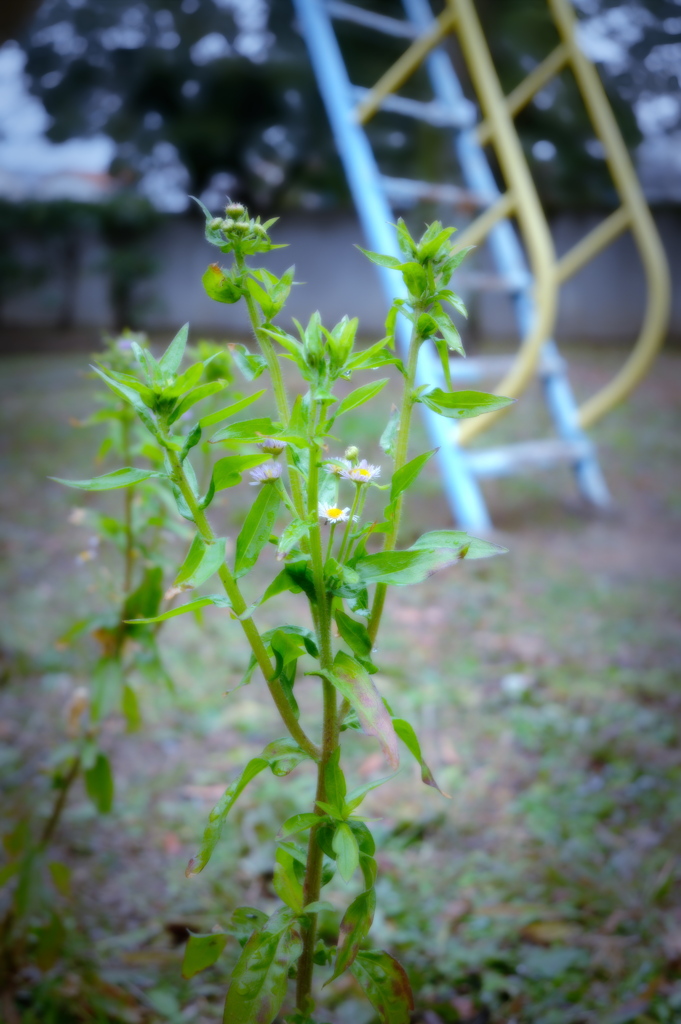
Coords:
334,513
364,472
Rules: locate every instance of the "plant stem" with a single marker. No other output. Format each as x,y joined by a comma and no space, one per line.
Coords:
129,557
280,396
313,869
239,606
60,802
348,528
401,451
329,546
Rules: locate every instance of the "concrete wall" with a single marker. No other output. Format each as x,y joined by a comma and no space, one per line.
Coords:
604,302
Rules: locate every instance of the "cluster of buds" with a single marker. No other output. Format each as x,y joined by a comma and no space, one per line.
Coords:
241,232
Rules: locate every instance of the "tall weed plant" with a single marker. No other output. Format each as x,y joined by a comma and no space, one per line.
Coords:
334,553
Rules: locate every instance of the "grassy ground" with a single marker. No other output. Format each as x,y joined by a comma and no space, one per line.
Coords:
544,685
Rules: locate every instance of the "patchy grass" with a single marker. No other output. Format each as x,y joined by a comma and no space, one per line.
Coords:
544,685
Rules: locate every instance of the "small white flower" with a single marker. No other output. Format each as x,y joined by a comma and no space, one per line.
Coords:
336,468
362,473
264,474
271,445
333,514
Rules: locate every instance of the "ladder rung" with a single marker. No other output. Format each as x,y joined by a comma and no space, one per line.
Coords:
432,112
481,282
369,19
410,190
480,367
526,456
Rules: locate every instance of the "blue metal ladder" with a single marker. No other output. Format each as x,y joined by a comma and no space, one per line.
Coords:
373,193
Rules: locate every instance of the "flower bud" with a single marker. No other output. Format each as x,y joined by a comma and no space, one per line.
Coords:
272,446
227,224
352,453
215,224
235,210
240,227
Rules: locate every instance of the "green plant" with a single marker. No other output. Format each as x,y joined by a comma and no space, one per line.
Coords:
35,925
299,489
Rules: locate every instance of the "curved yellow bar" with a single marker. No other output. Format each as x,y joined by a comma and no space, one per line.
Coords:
642,226
529,212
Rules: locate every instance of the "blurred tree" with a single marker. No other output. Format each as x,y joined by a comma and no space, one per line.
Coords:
216,96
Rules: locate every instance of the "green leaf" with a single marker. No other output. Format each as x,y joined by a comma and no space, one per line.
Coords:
472,547
458,405
406,733
185,382
354,929
146,598
131,708
292,534
250,364
415,278
386,985
218,816
356,685
246,431
426,325
388,438
450,334
402,568
285,882
405,476
227,471
221,286
243,922
129,395
196,395
380,259
286,647
230,410
61,877
170,361
354,633
256,529
260,978
202,561
119,478
99,784
360,395
334,781
107,686
443,352
202,951
220,600
347,851
297,823
356,796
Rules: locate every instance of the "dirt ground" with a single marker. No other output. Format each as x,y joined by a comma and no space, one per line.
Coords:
545,688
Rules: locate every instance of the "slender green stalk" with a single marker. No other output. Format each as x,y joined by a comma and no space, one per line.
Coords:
329,546
280,396
351,520
401,452
358,513
239,606
129,556
60,802
313,869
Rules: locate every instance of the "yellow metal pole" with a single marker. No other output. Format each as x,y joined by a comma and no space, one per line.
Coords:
523,93
589,246
529,213
643,227
481,226
404,66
